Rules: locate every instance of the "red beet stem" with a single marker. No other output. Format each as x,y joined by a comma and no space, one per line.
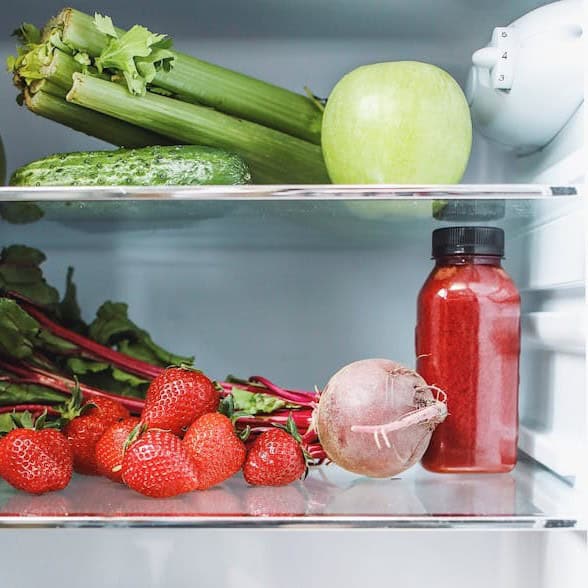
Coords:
302,420
129,364
34,375
287,395
32,408
302,398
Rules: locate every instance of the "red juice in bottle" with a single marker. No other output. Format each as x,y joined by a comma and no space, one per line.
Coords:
468,343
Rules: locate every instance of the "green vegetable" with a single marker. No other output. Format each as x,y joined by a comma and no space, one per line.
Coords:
400,123
106,128
148,86
182,75
273,157
20,272
55,344
255,402
113,328
12,393
177,165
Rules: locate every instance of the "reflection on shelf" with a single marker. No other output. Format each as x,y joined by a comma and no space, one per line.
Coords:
328,497
268,216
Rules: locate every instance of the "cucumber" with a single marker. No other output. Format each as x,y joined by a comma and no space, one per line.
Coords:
178,165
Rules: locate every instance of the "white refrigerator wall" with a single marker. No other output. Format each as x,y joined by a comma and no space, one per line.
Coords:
182,558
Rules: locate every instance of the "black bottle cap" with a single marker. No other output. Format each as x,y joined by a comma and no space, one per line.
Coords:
468,241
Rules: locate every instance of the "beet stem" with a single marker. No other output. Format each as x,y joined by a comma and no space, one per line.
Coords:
34,375
97,351
302,398
32,408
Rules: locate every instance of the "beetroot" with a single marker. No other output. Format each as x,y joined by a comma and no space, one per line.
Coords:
375,417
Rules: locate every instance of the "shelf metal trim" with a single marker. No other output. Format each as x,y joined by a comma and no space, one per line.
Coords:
291,522
325,192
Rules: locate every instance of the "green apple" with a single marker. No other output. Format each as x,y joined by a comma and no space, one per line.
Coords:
402,122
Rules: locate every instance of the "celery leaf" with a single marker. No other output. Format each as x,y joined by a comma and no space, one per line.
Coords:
138,46
104,25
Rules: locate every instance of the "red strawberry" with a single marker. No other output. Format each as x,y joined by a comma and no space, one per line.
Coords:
158,465
83,434
215,448
110,448
36,461
177,397
275,458
105,408
87,423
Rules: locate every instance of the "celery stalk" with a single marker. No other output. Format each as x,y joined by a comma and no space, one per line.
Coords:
225,90
92,123
273,157
48,87
61,69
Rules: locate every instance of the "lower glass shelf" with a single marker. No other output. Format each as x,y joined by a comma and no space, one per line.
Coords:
529,497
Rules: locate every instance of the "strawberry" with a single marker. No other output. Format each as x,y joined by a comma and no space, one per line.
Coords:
158,465
177,397
36,460
275,458
215,448
110,448
87,423
83,433
105,408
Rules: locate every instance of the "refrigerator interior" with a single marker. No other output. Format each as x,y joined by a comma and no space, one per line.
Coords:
293,283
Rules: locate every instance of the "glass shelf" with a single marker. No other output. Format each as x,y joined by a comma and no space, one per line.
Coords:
528,498
287,192
273,216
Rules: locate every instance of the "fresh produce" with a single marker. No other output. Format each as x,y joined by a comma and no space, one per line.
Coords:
44,343
91,123
167,94
402,122
105,409
85,423
179,165
110,448
275,458
177,397
375,417
273,157
158,465
83,433
145,58
215,448
34,459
